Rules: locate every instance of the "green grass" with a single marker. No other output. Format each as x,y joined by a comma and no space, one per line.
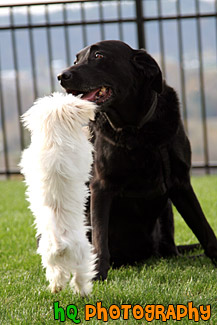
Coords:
24,298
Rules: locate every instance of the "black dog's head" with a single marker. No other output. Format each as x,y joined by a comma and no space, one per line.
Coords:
112,74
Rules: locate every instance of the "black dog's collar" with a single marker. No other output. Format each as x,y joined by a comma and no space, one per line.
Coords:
150,112
144,120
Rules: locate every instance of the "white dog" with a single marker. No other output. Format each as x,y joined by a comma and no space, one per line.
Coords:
56,167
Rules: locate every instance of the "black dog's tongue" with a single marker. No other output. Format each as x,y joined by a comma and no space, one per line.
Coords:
91,96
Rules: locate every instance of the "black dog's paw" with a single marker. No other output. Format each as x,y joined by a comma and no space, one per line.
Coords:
211,252
100,276
102,271
214,260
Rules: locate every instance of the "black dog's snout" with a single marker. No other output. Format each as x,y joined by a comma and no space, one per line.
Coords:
64,76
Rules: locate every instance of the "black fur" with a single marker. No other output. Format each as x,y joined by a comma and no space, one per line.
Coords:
139,168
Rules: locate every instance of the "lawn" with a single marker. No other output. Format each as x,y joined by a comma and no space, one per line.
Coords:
24,298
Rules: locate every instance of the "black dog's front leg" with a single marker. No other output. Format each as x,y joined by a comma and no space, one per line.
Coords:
100,209
188,206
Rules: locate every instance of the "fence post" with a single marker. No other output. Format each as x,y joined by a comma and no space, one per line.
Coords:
140,24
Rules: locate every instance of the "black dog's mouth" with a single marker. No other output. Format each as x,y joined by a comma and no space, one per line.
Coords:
97,95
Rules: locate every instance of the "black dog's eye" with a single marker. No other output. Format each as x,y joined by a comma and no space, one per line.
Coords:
75,62
98,55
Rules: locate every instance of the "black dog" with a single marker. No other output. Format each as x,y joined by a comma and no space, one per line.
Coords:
142,156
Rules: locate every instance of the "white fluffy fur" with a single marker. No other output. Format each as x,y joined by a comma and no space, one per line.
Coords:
56,167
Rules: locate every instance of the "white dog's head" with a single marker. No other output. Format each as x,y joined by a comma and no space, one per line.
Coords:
66,111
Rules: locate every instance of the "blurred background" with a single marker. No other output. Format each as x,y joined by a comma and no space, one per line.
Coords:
39,39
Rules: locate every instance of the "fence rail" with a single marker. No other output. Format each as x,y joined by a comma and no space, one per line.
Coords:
130,21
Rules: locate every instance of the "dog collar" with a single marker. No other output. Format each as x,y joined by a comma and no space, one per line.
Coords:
144,120
150,112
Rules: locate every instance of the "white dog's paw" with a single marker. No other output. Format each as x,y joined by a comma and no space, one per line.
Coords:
83,289
55,288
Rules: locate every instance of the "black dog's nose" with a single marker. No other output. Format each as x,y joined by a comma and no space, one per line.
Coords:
64,76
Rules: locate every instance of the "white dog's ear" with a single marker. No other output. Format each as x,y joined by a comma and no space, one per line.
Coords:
30,118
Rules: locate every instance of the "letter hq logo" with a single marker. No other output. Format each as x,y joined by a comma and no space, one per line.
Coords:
147,313
71,312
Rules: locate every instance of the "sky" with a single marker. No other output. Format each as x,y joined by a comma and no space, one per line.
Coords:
7,2
2,2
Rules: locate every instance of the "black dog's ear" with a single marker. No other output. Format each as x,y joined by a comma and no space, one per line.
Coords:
143,61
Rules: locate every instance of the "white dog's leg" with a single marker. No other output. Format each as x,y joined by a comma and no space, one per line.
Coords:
57,277
55,259
84,268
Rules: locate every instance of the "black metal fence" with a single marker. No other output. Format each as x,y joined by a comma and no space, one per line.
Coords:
39,40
